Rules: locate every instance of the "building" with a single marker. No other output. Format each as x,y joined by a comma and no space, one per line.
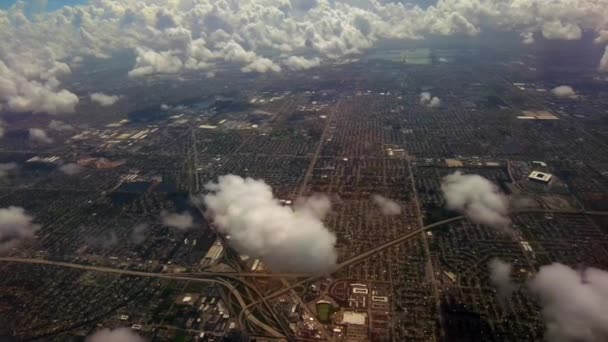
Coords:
541,177
323,310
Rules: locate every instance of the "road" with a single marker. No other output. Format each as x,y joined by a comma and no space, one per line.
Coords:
413,234
430,269
235,275
222,282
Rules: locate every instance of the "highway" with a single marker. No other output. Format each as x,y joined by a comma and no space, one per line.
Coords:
235,275
222,282
413,234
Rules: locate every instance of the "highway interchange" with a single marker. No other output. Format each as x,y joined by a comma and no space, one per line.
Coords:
221,278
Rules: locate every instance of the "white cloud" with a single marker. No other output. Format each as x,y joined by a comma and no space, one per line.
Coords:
105,240
564,91
150,62
285,238
29,82
301,63
59,126
388,206
15,226
103,99
5,168
429,101
602,37
116,335
574,303
527,38
183,221
38,135
70,169
317,205
261,65
604,61
476,197
500,277
559,30
139,232
171,36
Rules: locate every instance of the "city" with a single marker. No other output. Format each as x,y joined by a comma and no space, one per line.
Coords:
128,227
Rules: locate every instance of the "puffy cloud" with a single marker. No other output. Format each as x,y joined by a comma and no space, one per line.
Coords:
604,61
261,65
139,232
59,126
476,197
171,36
388,206
429,101
559,30
183,221
38,135
527,38
5,168
500,277
105,240
284,238
317,205
116,335
301,63
602,37
29,82
70,169
104,100
564,91
150,62
574,303
15,226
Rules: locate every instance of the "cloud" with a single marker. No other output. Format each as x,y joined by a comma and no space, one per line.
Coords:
169,37
604,61
564,91
38,135
477,198
15,226
29,82
139,233
527,38
6,167
562,31
106,240
116,335
500,277
183,221
430,101
71,169
317,205
388,206
284,238
60,126
300,63
602,37
261,65
2,128
573,303
150,62
104,100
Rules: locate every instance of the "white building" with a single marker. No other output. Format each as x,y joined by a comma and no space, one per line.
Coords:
542,177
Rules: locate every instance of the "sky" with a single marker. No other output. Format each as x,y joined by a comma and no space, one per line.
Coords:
52,5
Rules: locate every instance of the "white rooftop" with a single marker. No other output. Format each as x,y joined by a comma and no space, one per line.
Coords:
540,176
356,318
